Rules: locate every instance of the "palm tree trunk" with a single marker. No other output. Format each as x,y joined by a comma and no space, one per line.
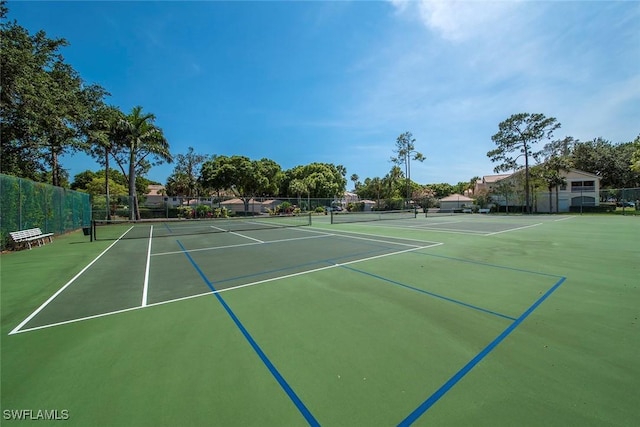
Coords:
106,181
133,208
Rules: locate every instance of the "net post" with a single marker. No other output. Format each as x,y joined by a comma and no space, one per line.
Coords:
93,229
331,212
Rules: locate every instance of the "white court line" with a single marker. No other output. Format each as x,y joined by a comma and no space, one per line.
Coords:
514,229
235,233
224,290
145,288
564,219
238,245
247,237
39,309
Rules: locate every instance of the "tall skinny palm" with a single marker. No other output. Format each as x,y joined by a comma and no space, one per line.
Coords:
141,139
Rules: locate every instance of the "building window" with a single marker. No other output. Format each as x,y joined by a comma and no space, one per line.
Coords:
581,186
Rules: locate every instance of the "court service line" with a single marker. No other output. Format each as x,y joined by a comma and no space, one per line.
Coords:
65,286
273,279
564,219
514,229
145,287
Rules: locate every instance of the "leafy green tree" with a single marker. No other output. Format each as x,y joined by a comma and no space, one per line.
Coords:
506,190
246,178
299,187
393,182
140,140
43,104
635,157
96,185
184,179
607,160
82,180
424,196
518,134
441,190
405,152
324,180
372,189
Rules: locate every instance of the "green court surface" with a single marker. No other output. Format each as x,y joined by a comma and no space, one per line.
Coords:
463,320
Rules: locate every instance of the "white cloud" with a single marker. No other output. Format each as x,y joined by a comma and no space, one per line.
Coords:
456,20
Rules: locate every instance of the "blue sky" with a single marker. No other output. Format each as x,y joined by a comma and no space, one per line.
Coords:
301,82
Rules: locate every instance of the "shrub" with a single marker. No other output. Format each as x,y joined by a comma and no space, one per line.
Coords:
203,211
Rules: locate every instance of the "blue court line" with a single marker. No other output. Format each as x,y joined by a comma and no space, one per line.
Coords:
455,301
420,410
306,264
283,383
486,264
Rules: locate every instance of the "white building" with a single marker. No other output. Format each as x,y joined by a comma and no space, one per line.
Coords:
579,189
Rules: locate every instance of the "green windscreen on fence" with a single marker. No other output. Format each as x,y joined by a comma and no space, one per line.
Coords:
145,228
27,204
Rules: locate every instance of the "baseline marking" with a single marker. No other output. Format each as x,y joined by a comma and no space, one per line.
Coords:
73,279
431,400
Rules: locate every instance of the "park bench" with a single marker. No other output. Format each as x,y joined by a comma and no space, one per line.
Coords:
484,211
26,237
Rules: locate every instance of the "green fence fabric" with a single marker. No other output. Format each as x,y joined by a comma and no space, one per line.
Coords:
27,204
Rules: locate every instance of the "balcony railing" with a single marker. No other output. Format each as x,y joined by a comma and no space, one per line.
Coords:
584,189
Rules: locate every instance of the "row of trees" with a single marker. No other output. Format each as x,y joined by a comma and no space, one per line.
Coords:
48,110
202,175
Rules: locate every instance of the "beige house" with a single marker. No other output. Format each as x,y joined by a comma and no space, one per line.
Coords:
455,201
580,189
255,206
155,195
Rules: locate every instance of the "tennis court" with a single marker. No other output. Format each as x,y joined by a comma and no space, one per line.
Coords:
298,321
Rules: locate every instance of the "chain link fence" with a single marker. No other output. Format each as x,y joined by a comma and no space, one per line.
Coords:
27,204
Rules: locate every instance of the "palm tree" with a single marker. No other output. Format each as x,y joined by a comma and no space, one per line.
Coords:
392,179
377,184
298,186
355,178
140,139
103,137
472,184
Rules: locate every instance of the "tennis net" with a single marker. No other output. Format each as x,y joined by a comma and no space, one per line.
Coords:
143,229
345,217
